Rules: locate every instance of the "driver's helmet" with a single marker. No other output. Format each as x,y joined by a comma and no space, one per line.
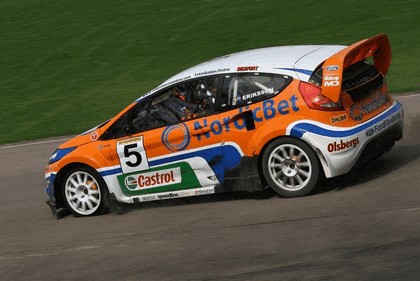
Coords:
205,93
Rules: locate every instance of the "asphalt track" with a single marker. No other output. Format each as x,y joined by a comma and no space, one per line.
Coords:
362,226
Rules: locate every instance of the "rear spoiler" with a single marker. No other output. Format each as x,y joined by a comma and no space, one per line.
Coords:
332,77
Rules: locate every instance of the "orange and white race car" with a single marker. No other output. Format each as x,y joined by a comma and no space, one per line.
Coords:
279,117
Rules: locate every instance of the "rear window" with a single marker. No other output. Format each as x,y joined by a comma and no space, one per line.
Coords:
316,77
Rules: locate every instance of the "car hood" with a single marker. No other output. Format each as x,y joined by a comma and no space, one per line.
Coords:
84,138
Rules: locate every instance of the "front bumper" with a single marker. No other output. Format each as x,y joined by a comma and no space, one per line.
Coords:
51,201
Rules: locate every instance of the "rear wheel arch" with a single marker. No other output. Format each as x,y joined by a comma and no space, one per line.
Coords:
260,155
284,139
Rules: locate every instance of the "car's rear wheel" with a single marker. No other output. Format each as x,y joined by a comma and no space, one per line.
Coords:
290,167
84,192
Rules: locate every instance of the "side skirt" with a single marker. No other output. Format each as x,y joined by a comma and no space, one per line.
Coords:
243,178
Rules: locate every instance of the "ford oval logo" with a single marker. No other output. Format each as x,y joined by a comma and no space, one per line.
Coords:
370,132
332,67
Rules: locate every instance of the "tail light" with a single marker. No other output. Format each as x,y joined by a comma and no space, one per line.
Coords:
315,100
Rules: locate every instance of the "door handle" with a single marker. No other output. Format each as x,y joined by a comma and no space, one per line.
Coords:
248,118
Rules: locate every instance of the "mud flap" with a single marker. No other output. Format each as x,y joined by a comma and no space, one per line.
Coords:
57,213
117,207
243,178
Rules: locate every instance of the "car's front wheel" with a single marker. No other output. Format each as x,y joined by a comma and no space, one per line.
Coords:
84,192
290,167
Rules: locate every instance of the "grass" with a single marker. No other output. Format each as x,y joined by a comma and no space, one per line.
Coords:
67,65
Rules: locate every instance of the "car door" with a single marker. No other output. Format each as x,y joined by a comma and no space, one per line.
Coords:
247,107
168,143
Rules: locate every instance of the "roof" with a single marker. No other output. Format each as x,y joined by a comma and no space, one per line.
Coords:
296,61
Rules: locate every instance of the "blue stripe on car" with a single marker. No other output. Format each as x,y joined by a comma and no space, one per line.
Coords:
299,129
111,172
211,155
299,70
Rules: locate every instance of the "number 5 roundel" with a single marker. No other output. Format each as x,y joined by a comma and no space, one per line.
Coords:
132,155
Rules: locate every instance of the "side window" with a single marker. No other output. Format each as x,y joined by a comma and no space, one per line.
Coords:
179,103
243,89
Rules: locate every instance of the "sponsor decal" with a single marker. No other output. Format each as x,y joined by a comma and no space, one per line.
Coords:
101,146
247,68
387,122
257,94
167,195
339,118
332,67
132,155
370,132
94,136
170,137
153,179
266,111
177,194
204,191
131,182
342,145
358,110
168,178
356,113
208,72
163,86
148,198
331,80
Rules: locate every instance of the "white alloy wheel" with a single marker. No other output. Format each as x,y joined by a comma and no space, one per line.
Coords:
290,167
82,193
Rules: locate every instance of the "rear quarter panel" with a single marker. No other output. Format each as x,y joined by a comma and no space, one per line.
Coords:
271,117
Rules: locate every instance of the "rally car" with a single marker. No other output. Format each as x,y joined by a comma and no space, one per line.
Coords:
279,117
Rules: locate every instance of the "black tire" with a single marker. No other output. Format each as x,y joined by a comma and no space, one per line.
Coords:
291,167
84,192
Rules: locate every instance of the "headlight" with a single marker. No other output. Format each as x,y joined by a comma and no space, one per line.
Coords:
60,153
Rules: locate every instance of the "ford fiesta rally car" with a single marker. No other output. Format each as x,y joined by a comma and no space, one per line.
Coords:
279,117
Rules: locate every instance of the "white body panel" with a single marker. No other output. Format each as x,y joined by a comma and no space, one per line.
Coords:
341,147
296,61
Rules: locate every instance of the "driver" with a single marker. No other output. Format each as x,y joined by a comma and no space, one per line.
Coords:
177,103
206,96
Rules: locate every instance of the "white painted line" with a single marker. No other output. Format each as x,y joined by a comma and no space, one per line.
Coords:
407,96
28,256
33,143
83,248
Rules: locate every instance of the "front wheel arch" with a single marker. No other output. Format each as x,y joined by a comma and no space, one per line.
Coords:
58,184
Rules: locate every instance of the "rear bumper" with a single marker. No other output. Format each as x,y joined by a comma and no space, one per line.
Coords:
340,149
379,145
